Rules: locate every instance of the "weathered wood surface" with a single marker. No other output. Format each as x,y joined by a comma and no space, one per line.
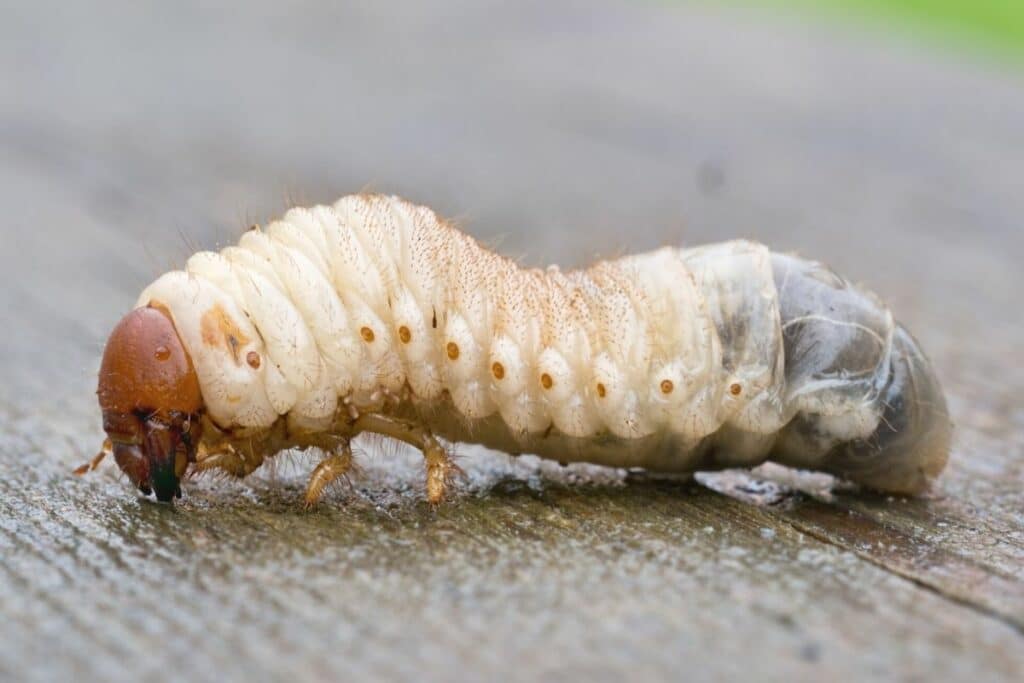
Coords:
129,135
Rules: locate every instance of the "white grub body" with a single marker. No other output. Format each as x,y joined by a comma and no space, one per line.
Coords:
674,360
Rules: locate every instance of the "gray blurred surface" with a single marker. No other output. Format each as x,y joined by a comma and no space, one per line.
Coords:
132,134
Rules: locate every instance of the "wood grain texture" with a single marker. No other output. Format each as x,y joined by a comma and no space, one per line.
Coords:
131,135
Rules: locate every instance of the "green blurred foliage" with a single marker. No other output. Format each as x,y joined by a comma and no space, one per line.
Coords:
995,26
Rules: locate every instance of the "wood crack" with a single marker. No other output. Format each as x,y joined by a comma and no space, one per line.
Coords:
977,588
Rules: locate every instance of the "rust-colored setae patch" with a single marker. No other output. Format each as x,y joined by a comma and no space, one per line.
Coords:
217,329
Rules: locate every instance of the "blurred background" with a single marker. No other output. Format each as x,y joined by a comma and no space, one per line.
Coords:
885,138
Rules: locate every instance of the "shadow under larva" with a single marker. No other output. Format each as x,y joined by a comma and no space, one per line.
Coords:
374,315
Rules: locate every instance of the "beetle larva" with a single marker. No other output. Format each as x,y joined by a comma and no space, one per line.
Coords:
374,315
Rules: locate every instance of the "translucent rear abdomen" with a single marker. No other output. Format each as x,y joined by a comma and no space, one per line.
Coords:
869,406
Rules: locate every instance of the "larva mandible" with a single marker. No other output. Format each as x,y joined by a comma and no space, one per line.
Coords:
375,315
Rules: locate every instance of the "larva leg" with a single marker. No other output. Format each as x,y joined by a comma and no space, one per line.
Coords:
440,468
335,465
235,462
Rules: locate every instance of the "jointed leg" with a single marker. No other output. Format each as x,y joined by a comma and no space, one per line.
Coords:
440,468
335,465
235,462
441,471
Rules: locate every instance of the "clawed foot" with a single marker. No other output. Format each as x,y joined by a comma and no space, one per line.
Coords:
335,465
441,472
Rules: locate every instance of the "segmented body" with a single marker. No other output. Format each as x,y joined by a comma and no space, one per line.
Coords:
675,360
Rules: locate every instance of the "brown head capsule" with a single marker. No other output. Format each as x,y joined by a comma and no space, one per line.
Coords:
150,398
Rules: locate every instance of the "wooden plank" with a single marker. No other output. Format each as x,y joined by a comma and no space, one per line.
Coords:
555,570
899,536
